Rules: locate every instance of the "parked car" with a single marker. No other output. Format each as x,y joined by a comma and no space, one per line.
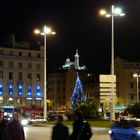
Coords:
124,130
38,119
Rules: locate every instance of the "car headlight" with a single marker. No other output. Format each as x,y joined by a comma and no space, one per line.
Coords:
109,131
24,122
138,132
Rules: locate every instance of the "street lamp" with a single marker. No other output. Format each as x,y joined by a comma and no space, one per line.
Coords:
114,12
135,75
46,31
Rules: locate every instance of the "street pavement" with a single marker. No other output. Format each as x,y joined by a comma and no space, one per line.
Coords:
44,133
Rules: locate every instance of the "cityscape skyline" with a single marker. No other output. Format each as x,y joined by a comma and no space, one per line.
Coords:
79,27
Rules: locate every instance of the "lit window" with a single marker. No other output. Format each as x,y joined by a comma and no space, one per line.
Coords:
29,91
20,87
38,93
1,89
10,100
10,89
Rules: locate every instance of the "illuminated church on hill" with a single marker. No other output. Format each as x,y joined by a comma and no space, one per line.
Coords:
68,64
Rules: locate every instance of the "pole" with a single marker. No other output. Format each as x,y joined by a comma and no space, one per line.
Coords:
137,88
45,75
112,65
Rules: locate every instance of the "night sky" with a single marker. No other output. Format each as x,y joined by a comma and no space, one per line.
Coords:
78,26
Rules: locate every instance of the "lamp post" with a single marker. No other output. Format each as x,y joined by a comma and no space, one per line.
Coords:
114,12
46,31
135,75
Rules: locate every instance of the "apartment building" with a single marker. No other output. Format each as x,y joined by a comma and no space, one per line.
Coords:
126,83
21,77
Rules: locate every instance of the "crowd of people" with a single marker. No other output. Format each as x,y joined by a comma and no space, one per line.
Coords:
13,130
81,129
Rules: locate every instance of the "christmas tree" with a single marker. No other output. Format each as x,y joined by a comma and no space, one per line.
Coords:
77,94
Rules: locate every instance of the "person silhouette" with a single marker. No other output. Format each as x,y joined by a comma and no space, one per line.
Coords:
14,129
81,128
60,131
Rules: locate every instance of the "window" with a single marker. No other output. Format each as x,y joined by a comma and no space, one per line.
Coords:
38,93
20,65
1,63
38,55
1,75
38,66
38,101
29,76
29,90
20,87
10,75
10,100
38,77
10,64
20,53
29,66
1,52
29,101
132,96
29,54
11,53
1,100
1,89
19,101
131,85
10,89
20,76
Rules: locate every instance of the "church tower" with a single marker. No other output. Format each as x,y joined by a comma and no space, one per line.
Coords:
76,62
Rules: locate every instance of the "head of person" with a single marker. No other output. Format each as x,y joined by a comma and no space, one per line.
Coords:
15,116
78,115
59,118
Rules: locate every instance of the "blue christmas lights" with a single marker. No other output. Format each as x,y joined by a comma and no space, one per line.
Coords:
77,94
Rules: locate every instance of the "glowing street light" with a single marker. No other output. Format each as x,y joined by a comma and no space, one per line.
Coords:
135,75
46,31
114,12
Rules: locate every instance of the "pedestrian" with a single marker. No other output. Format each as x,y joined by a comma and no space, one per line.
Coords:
3,125
60,131
81,128
14,129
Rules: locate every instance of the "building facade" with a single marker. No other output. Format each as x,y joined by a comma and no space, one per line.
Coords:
126,83
21,78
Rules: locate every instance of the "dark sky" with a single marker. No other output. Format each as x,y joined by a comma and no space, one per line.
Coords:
78,26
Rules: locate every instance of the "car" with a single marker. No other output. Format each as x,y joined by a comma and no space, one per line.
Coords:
38,119
124,130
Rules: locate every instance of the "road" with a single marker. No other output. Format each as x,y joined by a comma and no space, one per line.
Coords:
44,133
